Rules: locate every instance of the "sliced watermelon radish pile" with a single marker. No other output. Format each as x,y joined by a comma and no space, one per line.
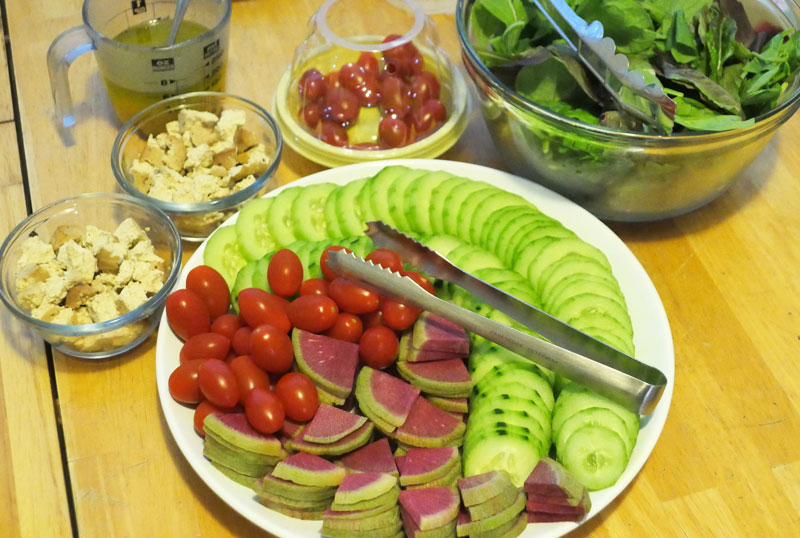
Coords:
429,467
365,504
448,378
333,432
398,410
301,486
239,451
434,334
329,362
375,457
451,405
494,506
429,512
554,494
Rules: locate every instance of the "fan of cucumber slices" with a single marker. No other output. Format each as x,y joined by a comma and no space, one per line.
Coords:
513,234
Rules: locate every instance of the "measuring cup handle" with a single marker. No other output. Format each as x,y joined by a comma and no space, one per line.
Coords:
62,52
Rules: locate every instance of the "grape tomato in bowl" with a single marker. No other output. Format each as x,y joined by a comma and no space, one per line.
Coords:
370,82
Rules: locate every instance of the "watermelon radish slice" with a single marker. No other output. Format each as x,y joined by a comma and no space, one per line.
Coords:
309,470
547,517
577,511
429,426
451,405
328,398
412,530
246,466
386,518
246,481
386,499
421,465
434,333
346,444
329,362
363,486
493,505
221,444
285,488
373,458
381,424
331,424
290,511
387,396
358,514
298,504
550,478
510,529
430,508
482,487
442,378
450,478
406,352
467,526
234,428
393,531
291,429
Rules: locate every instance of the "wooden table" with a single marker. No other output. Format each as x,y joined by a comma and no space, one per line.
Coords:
84,445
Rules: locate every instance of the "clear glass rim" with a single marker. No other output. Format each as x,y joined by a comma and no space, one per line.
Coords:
761,122
177,103
97,36
320,19
88,329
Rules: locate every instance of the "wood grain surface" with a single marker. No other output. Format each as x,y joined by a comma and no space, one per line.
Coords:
727,463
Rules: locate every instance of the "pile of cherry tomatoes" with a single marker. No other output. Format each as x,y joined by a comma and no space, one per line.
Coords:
229,360
407,96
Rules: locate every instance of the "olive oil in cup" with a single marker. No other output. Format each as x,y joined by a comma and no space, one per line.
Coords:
137,67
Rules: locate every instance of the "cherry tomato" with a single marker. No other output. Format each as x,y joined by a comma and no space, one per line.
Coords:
259,307
187,314
264,411
368,92
341,105
314,286
312,85
353,298
205,346
299,396
347,327
183,384
386,258
432,84
334,134
398,59
241,341
285,273
248,375
271,349
314,313
399,316
323,261
332,80
226,325
393,132
372,319
352,75
416,62
421,281
209,285
395,97
369,63
312,113
421,90
218,383
436,109
202,410
378,347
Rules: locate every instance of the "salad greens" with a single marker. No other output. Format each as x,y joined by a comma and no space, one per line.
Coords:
720,69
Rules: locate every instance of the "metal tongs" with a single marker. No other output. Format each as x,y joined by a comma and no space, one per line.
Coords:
570,352
598,54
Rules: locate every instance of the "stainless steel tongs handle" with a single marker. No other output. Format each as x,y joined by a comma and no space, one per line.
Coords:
625,389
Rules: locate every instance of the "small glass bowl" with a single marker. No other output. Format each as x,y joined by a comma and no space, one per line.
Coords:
106,211
388,39
195,221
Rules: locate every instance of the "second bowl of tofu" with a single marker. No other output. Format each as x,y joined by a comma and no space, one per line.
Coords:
198,157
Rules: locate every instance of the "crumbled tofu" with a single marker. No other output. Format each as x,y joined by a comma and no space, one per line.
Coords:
219,157
36,251
133,296
104,306
129,233
79,263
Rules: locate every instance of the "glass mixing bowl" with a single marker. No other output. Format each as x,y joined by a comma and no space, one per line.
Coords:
369,83
620,175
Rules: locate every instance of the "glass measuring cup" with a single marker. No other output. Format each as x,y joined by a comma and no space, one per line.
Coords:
137,68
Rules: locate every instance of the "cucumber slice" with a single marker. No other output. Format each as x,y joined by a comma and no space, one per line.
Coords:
438,198
526,229
374,200
595,455
418,203
502,219
578,305
488,205
443,244
303,251
252,231
594,416
223,254
494,276
509,402
581,283
398,201
495,418
574,398
308,216
279,220
503,375
452,207
259,278
350,221
563,248
501,449
613,339
244,280
331,212
558,286
470,258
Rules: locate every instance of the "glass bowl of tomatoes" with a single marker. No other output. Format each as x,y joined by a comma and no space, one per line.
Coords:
369,83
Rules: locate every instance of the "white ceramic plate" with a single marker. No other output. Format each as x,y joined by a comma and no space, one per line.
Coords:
652,338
